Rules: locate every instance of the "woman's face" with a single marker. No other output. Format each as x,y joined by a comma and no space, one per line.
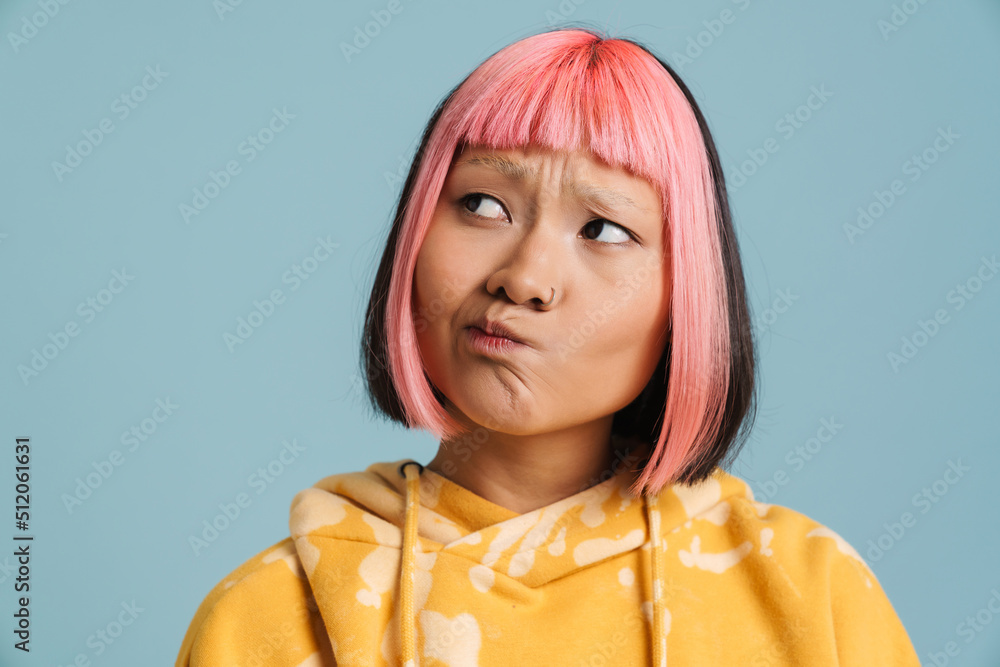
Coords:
509,227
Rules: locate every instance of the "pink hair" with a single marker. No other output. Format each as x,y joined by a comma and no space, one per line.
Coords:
565,89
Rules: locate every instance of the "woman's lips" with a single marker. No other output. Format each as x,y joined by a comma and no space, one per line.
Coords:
493,346
497,328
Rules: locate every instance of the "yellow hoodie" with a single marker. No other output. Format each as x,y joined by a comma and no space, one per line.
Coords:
398,565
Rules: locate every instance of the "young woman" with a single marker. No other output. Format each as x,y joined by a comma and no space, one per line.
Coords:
561,302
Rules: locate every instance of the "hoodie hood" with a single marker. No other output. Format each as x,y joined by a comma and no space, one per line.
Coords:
401,558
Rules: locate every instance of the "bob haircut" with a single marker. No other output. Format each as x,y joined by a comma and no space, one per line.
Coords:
564,89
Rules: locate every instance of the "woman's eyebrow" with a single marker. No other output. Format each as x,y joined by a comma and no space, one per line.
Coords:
516,171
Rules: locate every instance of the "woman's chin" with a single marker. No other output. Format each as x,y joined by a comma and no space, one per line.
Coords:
489,414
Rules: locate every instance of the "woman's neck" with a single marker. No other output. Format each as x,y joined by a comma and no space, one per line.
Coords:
525,472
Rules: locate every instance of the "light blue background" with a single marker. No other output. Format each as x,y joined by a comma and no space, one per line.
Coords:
325,174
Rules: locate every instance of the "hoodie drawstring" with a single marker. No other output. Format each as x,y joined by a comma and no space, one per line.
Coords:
407,620
659,638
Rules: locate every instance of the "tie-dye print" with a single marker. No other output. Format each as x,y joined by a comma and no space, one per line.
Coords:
400,566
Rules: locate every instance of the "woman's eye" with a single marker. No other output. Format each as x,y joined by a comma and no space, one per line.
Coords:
618,235
482,205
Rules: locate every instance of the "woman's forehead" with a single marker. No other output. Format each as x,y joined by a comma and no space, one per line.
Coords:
522,163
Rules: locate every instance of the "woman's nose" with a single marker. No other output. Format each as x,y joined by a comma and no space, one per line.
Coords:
530,267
